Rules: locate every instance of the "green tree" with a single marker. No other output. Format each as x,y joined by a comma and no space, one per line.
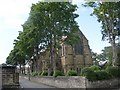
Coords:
104,56
15,58
118,53
108,14
54,20
43,30
94,58
108,54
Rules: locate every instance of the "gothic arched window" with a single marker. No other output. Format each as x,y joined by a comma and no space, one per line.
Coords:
79,49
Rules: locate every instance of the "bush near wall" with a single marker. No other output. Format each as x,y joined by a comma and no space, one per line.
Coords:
88,73
114,71
102,75
58,73
39,73
95,68
95,73
34,74
71,73
44,73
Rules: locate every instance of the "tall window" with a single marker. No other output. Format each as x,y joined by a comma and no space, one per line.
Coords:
79,48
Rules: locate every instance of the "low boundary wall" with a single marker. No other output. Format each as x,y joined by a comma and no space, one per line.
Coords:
74,82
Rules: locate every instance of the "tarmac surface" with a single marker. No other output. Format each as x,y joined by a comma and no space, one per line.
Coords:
24,83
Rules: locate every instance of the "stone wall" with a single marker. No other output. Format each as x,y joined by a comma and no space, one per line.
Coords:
113,83
75,82
60,82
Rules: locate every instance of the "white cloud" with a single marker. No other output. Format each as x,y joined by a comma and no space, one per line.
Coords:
13,13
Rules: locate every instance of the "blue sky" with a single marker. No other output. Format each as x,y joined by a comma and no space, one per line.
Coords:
13,13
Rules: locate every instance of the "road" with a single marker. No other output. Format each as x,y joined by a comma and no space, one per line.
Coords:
30,84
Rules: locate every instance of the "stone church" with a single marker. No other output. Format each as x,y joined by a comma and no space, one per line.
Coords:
70,58
76,57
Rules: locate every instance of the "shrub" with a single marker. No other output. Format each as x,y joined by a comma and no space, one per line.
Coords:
34,73
94,73
102,75
44,73
88,73
95,68
57,73
85,70
39,73
51,74
114,71
71,73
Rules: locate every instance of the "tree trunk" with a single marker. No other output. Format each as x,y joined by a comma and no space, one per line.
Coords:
54,54
54,60
29,72
112,40
73,51
50,69
35,66
114,49
23,69
20,69
31,66
51,58
37,58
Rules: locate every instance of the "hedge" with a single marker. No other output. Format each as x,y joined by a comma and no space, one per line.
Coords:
34,73
58,73
95,68
102,75
114,71
93,74
71,73
88,73
44,73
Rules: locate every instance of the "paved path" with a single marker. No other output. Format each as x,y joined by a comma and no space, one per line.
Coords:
30,84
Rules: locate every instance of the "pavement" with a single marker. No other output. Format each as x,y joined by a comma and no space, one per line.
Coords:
24,83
